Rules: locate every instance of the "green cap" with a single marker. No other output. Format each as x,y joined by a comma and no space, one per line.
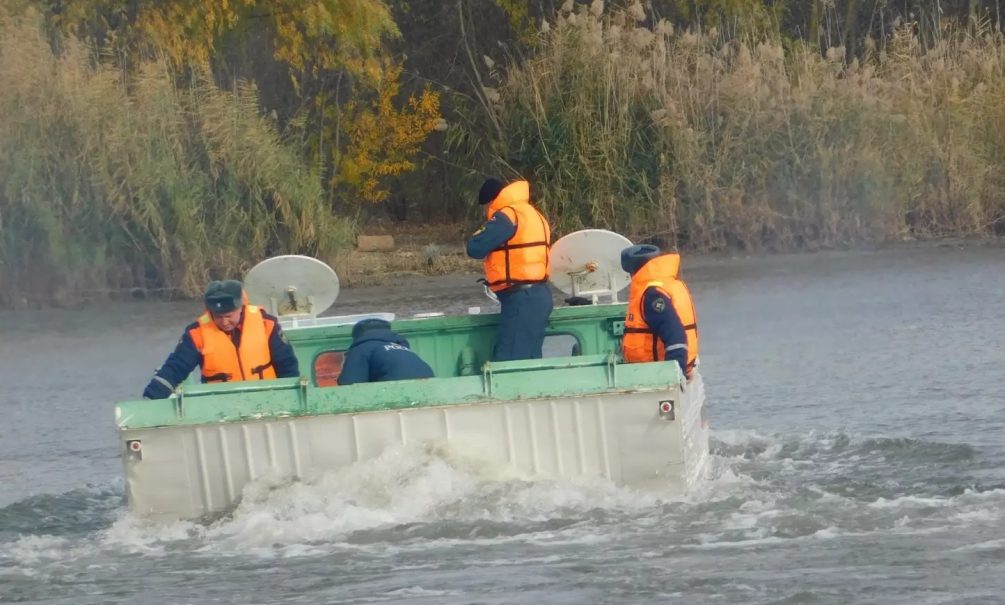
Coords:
634,257
223,296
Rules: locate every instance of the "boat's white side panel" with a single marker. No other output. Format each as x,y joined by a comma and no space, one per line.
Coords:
191,471
694,430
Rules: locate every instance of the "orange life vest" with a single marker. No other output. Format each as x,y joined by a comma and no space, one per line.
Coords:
222,361
639,343
523,259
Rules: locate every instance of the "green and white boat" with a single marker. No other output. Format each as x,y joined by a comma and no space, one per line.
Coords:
580,414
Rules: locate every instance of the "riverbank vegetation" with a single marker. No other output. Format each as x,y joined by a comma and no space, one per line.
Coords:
751,141
158,144
114,179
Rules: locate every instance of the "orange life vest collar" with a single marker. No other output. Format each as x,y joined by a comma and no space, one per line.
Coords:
662,268
517,192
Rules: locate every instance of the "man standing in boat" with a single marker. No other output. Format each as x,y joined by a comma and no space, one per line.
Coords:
232,341
661,322
515,242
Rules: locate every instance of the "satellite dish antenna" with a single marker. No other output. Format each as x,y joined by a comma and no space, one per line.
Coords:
292,286
587,263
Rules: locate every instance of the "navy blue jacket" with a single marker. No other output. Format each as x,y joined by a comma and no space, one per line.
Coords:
490,236
380,355
662,319
186,357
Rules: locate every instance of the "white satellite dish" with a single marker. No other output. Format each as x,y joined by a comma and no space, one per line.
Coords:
587,263
292,286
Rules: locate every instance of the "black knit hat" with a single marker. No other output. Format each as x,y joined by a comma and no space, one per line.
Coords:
369,325
490,190
223,296
634,257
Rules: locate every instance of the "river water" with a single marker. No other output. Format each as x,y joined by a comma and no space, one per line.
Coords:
858,415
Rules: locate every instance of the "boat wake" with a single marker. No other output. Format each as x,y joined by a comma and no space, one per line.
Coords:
407,494
760,489
777,488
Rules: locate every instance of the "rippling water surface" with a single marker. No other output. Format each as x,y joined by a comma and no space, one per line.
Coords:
858,419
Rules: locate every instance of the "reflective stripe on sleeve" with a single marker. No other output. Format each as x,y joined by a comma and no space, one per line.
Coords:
164,382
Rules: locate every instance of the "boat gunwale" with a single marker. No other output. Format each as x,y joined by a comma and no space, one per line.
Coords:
593,376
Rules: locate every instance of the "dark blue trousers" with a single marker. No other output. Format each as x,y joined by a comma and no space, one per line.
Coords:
522,322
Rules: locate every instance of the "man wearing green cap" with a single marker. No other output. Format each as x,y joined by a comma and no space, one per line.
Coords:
231,341
660,323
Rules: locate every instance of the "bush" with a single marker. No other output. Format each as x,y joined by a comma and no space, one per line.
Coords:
113,180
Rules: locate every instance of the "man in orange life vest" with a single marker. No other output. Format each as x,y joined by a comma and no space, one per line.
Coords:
232,341
661,322
515,242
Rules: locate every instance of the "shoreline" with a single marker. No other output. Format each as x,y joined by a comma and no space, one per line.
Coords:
371,283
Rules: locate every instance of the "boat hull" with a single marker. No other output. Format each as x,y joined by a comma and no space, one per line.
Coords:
627,436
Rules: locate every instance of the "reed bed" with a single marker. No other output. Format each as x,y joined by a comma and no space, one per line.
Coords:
706,141
112,180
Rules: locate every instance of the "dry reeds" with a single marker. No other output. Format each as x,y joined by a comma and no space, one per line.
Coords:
757,142
113,180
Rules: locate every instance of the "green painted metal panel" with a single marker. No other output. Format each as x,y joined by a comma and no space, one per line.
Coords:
441,341
448,343
506,381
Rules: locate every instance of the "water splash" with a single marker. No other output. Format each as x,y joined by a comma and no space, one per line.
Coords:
760,489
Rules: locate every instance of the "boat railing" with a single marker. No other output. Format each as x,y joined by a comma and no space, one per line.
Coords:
509,381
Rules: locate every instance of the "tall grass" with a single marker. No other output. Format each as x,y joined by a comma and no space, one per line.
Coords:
113,180
756,142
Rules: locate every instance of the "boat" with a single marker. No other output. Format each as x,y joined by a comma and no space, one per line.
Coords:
579,413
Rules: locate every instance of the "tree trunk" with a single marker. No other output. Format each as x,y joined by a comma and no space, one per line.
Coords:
850,30
813,29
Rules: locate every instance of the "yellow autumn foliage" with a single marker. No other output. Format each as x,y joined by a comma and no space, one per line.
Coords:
383,140
308,35
318,40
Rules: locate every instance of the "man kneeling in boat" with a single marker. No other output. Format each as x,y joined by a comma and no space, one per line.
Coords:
379,354
661,321
232,341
